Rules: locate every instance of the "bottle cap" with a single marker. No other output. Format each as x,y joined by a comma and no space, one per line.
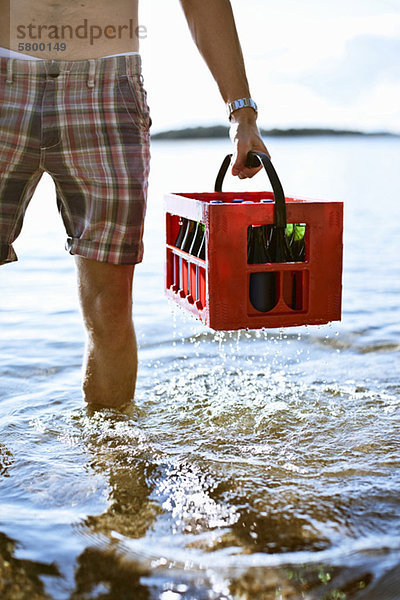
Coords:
237,200
216,202
266,200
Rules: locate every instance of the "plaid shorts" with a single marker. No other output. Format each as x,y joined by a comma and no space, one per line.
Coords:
86,123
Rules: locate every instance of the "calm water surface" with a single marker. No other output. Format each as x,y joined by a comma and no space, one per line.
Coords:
253,465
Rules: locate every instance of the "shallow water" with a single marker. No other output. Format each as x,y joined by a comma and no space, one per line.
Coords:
253,465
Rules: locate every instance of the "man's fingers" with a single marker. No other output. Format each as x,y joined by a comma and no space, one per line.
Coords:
237,168
239,165
239,162
242,171
246,172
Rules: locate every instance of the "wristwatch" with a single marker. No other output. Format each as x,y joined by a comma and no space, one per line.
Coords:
240,103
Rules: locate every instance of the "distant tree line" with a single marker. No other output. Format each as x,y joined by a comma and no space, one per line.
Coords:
222,131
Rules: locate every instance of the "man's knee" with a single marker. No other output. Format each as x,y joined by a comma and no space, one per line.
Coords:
108,310
106,297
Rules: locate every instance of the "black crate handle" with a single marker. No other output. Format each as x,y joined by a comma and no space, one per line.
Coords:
253,160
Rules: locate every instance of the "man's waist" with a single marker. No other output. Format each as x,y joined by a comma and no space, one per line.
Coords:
7,53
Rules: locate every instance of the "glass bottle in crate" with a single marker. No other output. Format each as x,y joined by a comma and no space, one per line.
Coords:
262,286
298,244
277,244
202,250
189,235
197,239
181,233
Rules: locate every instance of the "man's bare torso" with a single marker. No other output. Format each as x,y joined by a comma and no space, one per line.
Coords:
70,29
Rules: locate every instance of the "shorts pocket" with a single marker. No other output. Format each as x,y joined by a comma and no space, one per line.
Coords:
134,98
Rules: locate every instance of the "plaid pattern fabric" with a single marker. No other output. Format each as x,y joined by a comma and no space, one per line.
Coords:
86,123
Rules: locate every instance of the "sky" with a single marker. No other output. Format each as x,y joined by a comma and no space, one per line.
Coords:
310,63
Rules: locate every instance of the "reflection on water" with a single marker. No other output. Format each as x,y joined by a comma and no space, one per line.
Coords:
105,575
253,465
6,460
119,450
21,578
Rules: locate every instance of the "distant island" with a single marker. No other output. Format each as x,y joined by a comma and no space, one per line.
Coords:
222,131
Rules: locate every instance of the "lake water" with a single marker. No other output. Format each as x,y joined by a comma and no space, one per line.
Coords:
253,465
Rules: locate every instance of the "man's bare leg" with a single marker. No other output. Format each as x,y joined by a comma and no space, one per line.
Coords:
105,293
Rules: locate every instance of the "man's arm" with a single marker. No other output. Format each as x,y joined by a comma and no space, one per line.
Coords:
213,29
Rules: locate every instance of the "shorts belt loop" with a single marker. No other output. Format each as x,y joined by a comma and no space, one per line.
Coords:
10,70
127,65
92,71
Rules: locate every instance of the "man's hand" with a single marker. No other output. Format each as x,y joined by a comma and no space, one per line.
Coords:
245,136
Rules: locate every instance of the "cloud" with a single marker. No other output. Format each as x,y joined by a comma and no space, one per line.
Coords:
368,61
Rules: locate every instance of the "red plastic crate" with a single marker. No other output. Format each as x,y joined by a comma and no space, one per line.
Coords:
216,290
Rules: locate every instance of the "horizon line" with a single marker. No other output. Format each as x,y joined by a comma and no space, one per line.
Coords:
221,131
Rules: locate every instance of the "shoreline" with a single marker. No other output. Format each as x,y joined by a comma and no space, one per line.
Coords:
222,131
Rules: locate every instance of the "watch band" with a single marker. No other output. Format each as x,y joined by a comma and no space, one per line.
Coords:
240,103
